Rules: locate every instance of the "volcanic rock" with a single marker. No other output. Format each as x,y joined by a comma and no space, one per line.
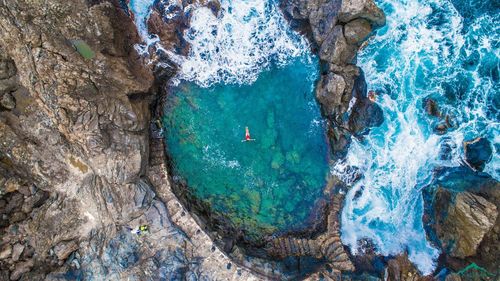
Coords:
477,153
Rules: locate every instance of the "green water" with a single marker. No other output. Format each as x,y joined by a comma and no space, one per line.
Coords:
267,185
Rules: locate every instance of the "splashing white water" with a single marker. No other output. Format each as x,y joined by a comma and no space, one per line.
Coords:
419,50
236,46
233,47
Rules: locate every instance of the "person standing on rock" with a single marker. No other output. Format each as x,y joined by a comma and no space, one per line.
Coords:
372,96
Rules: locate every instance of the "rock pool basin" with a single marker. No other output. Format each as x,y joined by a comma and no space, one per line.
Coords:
264,186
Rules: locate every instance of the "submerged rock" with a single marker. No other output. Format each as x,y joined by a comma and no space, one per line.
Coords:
478,152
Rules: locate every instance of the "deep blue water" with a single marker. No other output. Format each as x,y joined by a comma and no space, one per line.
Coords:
444,50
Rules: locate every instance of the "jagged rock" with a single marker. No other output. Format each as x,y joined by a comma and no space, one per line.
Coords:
5,252
453,277
330,92
401,269
365,9
365,114
17,217
477,153
357,31
7,68
461,217
431,107
8,101
335,48
17,251
20,269
64,249
462,221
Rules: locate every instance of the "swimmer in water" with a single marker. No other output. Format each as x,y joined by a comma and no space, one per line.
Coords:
247,135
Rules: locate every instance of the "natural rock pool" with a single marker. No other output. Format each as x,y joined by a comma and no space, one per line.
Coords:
269,184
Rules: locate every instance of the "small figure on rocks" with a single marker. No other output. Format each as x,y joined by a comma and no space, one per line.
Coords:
372,96
141,230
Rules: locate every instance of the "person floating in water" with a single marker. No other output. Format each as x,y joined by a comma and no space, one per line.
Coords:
247,135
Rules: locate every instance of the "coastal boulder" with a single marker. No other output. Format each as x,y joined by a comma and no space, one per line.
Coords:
462,220
330,91
477,153
401,269
365,9
336,50
365,114
357,31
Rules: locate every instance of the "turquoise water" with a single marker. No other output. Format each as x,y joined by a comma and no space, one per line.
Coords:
270,184
447,50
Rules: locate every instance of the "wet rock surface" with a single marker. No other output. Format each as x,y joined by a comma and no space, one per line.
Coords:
337,29
461,217
477,153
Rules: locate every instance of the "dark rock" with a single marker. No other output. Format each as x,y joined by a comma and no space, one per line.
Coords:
214,6
7,69
357,31
17,217
14,202
365,114
431,107
477,153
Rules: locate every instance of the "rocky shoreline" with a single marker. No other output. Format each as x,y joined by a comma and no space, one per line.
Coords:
80,165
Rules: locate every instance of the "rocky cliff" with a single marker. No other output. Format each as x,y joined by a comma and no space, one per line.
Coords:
74,154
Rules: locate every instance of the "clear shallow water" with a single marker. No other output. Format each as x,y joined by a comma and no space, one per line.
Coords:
440,49
266,185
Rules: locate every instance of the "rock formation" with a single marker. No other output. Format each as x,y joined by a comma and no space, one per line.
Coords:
74,153
336,30
327,245
477,153
461,217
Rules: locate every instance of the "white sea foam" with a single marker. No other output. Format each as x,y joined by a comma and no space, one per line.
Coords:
236,46
413,58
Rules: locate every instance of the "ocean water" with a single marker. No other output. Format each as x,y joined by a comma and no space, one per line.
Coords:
267,185
446,50
247,68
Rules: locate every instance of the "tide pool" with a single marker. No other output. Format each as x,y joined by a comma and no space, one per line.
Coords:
440,49
263,186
